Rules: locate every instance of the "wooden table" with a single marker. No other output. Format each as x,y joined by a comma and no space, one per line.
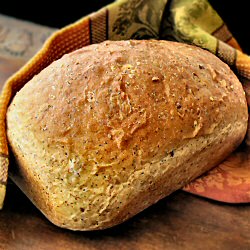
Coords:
180,221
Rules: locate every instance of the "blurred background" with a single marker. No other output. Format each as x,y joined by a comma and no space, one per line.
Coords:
60,13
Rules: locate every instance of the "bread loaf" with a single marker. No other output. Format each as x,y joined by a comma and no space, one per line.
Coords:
108,130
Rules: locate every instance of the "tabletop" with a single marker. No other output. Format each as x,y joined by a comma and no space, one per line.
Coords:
180,221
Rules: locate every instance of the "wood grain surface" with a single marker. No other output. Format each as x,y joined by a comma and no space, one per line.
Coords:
180,221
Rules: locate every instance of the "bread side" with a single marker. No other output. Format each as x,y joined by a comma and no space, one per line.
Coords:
110,129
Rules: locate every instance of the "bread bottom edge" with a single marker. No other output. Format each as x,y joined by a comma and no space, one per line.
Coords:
175,178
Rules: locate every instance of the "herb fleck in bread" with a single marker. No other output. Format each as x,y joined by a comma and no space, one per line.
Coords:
110,129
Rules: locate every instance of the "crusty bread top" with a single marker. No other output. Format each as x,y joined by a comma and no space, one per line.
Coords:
107,109
132,94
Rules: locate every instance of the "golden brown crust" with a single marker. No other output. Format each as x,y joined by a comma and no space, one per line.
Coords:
103,125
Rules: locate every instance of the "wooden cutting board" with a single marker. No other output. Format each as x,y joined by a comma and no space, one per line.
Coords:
180,221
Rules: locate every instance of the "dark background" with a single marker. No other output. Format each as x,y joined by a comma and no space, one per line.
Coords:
60,13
